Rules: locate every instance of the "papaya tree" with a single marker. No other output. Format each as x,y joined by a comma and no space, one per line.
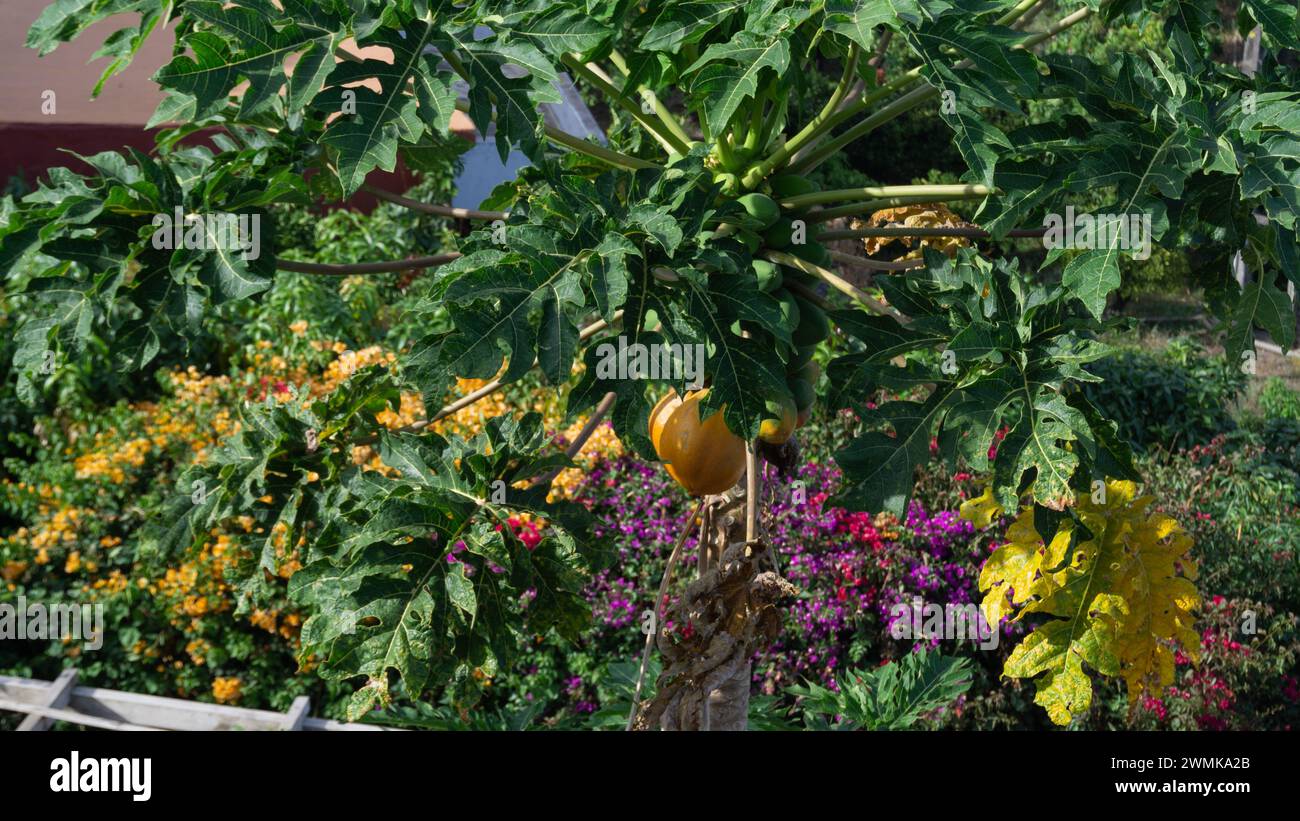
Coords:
701,225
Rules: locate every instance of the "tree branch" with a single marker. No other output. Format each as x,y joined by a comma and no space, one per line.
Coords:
877,264
487,390
428,208
869,206
388,266
593,422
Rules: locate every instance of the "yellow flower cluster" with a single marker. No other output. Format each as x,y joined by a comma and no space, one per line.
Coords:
115,582
603,444
60,529
886,524
197,587
198,650
196,414
227,690
12,570
195,418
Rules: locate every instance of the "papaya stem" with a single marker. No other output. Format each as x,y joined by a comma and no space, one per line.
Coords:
925,231
918,96
813,127
934,193
665,116
601,82
751,492
598,152
564,138
835,281
897,108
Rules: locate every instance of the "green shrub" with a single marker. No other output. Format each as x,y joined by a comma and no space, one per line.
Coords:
1176,398
1277,401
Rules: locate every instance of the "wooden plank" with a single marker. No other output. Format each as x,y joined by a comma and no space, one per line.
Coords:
56,696
297,714
70,716
158,712
172,713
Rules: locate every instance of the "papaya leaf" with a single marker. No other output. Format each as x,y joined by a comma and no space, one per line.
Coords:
1117,607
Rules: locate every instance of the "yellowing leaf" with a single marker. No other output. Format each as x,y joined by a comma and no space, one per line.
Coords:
981,510
1119,606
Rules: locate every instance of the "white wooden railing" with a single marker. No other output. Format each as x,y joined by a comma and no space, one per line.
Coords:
63,699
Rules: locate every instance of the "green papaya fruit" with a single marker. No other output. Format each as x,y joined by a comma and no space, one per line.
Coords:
761,208
813,325
751,240
792,185
769,275
791,274
803,354
804,394
813,252
778,234
789,309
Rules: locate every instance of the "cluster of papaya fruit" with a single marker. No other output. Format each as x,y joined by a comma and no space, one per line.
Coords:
704,456
765,225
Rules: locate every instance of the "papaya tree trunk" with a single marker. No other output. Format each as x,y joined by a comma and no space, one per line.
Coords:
711,633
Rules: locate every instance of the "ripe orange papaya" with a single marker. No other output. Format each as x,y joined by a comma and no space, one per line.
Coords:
704,457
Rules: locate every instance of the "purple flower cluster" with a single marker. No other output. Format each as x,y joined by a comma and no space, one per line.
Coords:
851,567
639,511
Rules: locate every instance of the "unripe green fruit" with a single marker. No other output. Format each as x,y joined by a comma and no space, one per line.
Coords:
778,235
792,185
789,309
804,394
813,325
813,252
802,356
761,208
769,275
